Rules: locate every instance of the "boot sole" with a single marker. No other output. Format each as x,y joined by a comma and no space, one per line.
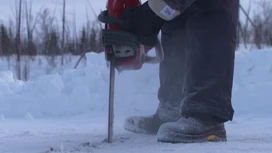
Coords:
213,136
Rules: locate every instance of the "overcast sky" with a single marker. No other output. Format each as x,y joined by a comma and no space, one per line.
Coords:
80,6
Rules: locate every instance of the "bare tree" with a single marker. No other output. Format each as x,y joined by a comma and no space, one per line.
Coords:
266,10
257,29
31,47
31,23
75,36
63,32
244,29
46,26
1,40
18,39
92,33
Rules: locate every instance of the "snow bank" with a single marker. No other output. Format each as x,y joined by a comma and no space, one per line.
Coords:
85,90
252,93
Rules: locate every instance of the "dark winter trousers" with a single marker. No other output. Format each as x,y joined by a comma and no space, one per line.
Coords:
197,72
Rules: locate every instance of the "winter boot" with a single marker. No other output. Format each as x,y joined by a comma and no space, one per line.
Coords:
192,130
150,124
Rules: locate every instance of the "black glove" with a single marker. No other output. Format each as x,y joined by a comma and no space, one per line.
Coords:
143,23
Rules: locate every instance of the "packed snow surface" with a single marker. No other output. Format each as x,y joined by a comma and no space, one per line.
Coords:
66,111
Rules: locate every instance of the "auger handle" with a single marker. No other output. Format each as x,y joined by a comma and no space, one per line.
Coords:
104,18
159,54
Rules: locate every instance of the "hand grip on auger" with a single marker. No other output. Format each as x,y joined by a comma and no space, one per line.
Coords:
104,18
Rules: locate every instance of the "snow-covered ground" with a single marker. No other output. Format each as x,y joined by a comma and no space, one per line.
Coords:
67,111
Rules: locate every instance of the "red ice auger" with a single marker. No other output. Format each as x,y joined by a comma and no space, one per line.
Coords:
122,50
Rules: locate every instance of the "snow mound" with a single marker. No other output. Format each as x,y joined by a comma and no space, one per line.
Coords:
6,83
48,84
252,82
85,90
2,118
6,77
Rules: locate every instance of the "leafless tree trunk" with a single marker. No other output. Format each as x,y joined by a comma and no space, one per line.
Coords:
31,48
29,41
63,32
18,40
248,17
1,46
244,28
256,28
11,37
75,33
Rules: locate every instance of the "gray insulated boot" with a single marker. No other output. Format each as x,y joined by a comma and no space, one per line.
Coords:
150,124
192,130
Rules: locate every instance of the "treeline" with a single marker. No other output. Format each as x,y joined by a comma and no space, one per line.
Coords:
41,34
49,43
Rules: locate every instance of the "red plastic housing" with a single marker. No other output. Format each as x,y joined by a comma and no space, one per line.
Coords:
115,9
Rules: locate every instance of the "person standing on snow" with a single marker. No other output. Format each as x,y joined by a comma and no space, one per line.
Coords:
196,75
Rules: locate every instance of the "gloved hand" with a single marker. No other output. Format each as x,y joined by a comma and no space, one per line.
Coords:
143,23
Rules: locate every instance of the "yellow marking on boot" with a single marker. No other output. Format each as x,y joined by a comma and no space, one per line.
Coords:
211,138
